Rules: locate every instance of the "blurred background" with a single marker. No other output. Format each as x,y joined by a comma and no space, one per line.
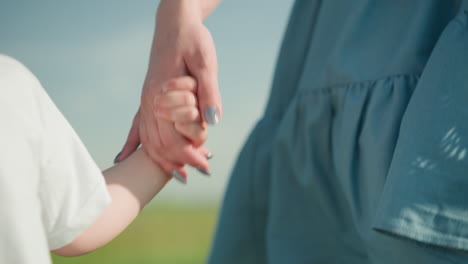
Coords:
91,57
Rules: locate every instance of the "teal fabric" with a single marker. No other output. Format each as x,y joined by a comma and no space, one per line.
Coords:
426,193
362,153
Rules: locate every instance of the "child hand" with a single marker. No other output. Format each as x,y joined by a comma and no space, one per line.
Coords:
178,103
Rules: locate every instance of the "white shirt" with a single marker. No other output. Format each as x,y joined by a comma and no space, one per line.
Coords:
50,188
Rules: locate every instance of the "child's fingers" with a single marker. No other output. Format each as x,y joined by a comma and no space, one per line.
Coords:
175,98
177,92
186,83
184,114
194,131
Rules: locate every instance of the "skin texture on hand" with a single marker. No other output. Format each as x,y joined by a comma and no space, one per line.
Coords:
134,182
179,105
182,46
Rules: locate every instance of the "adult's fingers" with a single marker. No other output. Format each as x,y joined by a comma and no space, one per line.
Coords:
178,148
173,169
154,150
203,65
133,140
200,161
177,171
167,148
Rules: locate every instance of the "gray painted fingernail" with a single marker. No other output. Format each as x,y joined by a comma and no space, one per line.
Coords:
207,173
117,157
212,115
178,176
209,155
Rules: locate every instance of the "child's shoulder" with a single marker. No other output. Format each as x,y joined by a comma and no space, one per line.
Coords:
20,94
9,65
15,77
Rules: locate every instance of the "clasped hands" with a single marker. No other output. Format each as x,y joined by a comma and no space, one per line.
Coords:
180,95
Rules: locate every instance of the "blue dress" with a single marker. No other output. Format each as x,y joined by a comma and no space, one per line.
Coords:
362,153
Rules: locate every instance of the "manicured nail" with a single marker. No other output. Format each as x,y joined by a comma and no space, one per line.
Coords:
207,173
178,176
117,157
212,115
209,155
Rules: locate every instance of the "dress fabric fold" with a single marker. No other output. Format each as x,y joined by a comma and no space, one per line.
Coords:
361,155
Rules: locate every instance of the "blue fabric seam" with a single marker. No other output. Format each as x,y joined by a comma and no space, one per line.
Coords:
440,239
329,89
345,85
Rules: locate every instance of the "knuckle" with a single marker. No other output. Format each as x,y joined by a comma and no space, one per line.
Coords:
191,82
199,137
180,127
171,84
158,108
172,115
157,101
189,99
202,135
192,114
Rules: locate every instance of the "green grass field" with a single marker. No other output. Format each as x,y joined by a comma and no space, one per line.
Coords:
161,234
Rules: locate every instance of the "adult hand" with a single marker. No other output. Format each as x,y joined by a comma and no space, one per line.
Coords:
182,45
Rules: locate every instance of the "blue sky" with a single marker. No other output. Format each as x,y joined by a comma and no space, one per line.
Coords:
91,56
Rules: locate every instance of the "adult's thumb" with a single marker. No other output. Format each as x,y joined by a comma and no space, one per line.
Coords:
209,98
203,65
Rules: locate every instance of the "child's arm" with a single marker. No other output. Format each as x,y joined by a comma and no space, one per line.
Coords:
136,180
131,184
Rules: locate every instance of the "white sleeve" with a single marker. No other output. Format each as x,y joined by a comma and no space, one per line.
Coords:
72,189
22,236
